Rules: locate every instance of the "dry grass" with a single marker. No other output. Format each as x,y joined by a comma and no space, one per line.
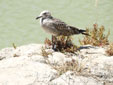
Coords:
97,36
45,53
68,66
62,44
72,65
14,46
109,50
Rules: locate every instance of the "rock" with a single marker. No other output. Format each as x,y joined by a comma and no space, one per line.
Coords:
98,63
57,58
27,50
25,65
23,71
70,78
102,67
6,53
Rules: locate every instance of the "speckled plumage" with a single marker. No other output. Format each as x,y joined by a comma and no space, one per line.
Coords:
57,27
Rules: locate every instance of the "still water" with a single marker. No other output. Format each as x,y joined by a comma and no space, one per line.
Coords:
18,24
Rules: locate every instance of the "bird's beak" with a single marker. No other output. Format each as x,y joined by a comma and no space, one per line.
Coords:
38,17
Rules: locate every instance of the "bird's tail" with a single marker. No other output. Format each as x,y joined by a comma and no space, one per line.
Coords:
79,31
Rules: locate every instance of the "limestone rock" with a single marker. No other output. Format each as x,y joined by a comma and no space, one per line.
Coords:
25,65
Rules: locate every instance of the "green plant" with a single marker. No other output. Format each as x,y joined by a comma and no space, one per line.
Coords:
14,46
97,36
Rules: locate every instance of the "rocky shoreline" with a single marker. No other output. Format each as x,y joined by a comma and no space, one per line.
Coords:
30,65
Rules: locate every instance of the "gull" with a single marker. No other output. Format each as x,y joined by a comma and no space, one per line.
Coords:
56,27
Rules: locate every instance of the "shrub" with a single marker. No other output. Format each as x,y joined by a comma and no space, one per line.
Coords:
109,50
73,65
62,44
97,36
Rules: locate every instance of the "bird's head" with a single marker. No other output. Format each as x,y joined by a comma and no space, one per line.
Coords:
44,14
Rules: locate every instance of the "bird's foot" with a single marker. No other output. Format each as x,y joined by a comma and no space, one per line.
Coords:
54,43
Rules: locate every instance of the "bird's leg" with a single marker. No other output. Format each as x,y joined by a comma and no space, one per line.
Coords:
54,40
68,41
68,38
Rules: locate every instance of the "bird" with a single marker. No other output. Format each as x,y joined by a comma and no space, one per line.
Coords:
57,27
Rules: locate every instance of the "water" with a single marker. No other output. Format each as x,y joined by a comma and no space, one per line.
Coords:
18,24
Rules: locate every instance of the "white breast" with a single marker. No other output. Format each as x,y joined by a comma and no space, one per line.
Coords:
47,26
46,21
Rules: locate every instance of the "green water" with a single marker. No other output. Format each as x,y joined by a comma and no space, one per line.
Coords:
18,24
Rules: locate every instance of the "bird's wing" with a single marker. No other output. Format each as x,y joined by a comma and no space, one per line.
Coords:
64,28
59,25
